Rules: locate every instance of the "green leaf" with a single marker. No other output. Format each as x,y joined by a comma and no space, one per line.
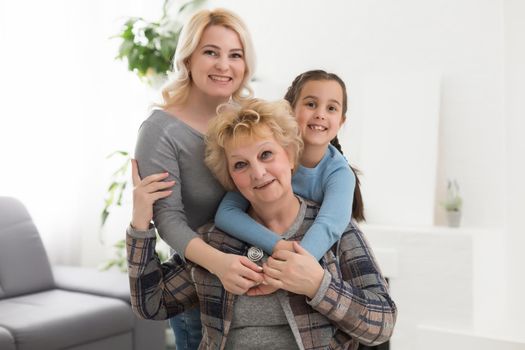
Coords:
124,49
107,265
157,62
122,169
109,200
134,58
193,3
120,244
104,216
122,153
127,33
113,186
121,194
167,47
150,33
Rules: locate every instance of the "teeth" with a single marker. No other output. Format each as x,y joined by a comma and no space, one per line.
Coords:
317,127
217,78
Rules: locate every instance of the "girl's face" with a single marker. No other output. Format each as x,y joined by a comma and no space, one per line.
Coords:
217,65
318,111
260,168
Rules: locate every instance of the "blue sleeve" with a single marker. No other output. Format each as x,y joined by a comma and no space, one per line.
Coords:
231,217
335,212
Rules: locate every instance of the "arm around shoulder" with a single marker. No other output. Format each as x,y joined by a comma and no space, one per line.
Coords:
152,283
231,217
157,153
334,214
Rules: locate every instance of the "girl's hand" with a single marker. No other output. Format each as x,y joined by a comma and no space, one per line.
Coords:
284,245
297,272
237,273
145,193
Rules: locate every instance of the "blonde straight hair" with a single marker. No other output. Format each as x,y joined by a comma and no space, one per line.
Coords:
177,90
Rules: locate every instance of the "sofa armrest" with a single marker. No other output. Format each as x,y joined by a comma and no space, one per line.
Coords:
7,342
113,284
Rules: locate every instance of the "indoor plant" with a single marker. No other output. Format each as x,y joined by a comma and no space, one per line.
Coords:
149,46
453,204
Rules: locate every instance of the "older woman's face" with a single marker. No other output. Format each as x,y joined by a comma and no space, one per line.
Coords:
260,168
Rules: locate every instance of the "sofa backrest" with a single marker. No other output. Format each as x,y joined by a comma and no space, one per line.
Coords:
24,266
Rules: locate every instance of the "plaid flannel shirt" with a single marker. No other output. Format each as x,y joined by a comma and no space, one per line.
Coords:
354,307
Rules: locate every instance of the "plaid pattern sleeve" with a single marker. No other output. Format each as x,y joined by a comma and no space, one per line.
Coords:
357,299
158,291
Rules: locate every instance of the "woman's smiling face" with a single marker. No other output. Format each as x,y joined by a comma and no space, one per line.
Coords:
260,168
217,65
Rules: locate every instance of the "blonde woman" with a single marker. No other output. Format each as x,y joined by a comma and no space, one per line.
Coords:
336,303
214,63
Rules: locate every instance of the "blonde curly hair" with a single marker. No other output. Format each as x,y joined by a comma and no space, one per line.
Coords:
250,118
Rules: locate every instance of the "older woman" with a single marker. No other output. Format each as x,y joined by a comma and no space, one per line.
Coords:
336,303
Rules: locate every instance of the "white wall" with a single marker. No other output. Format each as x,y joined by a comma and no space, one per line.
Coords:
515,151
461,40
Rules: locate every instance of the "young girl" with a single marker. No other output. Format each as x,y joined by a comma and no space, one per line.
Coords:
319,101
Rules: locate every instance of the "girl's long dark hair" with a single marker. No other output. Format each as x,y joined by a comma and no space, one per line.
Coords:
292,95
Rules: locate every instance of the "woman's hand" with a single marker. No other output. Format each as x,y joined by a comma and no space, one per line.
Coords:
237,273
262,289
283,244
297,272
145,193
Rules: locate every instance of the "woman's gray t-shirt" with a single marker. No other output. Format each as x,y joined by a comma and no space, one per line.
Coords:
165,143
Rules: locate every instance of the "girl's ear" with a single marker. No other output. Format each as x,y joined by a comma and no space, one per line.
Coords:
343,119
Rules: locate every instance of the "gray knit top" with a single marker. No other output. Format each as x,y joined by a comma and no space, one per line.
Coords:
165,143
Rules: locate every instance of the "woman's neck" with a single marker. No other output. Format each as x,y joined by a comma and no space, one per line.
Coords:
312,155
277,218
202,104
198,110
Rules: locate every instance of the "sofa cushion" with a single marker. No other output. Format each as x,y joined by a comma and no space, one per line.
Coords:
6,340
119,342
111,283
24,266
58,319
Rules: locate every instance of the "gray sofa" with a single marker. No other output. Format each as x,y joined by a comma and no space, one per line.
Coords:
44,307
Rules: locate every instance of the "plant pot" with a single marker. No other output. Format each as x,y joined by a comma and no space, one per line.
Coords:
453,218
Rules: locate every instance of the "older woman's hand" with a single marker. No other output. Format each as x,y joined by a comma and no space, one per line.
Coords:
265,289
297,272
145,193
237,273
261,289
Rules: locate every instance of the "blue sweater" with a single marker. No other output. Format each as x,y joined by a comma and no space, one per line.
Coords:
330,183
